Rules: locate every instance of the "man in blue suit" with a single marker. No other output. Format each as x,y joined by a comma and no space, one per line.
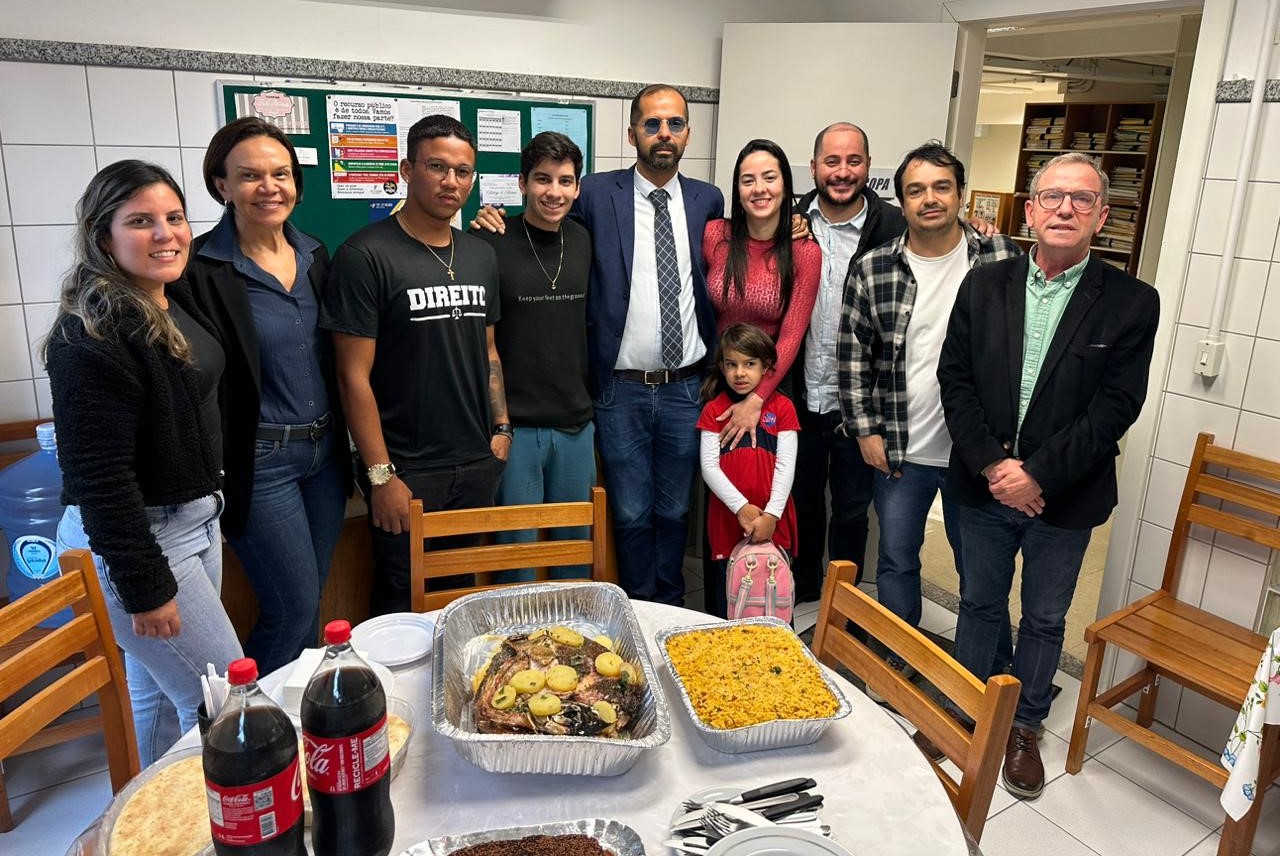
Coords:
650,328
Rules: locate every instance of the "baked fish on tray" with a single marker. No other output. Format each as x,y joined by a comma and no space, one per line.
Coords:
556,680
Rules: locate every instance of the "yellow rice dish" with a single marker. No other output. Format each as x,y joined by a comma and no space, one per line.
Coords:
749,674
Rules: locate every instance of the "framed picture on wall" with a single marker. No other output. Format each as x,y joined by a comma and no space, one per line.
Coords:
992,206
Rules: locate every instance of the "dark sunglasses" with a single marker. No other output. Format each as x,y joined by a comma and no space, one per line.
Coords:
675,125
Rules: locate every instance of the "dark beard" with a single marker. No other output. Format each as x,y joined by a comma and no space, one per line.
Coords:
659,160
825,193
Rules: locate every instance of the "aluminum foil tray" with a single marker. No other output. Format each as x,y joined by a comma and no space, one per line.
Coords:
468,630
765,735
619,839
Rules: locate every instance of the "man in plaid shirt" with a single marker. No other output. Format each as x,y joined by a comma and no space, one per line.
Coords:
897,300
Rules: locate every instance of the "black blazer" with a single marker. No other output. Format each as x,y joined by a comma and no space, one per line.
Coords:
1090,389
223,296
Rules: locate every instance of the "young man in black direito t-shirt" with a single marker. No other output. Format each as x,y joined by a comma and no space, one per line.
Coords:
412,305
544,261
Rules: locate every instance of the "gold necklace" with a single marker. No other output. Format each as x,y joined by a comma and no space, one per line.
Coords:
448,266
559,267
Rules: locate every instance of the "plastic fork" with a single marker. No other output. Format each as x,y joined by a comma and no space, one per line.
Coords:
789,786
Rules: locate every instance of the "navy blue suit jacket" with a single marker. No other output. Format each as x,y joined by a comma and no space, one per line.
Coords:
606,206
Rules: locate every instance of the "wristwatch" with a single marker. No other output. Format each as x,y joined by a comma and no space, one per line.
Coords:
505,429
380,474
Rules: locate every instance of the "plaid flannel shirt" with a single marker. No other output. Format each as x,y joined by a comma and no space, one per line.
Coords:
871,353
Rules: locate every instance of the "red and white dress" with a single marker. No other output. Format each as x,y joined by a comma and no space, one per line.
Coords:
760,476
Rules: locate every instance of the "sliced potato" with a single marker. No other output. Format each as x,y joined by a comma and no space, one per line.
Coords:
529,680
505,697
609,664
604,641
607,713
566,636
544,704
631,673
562,679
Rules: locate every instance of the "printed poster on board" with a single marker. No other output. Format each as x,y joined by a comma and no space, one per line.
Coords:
364,147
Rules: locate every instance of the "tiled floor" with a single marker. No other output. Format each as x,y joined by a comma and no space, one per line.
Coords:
1125,802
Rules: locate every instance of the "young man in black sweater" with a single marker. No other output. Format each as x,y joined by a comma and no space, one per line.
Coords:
543,262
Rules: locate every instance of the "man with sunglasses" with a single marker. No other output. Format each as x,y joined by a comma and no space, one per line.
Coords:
412,307
649,331
1043,369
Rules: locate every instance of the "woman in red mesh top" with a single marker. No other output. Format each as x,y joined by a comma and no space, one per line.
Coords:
757,274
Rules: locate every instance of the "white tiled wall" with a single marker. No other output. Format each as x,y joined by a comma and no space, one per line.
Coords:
59,124
1241,407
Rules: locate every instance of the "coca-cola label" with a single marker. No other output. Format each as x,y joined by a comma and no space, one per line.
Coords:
340,765
251,814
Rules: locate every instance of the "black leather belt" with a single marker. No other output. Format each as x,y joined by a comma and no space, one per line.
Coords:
658,376
285,433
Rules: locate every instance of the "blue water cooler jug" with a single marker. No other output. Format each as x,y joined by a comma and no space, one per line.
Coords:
30,509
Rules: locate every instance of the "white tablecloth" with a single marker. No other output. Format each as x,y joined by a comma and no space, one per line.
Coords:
1244,748
882,797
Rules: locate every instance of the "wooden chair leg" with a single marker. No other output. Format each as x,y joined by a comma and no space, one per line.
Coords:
1147,702
1088,690
1237,835
6,816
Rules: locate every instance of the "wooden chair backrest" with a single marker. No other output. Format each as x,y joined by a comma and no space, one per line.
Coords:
1229,491
101,670
990,706
12,432
484,559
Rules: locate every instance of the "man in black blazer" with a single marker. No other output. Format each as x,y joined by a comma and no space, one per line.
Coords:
1043,370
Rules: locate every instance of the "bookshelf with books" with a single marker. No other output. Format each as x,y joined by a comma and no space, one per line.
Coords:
1124,139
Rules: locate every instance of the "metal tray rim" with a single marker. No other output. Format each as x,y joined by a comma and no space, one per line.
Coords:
663,636
613,834
621,748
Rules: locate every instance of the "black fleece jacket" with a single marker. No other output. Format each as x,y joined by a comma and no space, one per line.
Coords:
129,436
884,223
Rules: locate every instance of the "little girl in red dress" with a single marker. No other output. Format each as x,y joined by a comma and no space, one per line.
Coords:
751,485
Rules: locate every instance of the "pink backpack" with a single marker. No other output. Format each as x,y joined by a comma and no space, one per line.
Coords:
759,582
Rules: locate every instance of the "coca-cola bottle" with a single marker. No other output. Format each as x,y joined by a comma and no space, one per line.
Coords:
251,773
344,734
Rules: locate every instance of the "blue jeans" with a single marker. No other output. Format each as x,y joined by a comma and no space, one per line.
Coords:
1051,557
164,674
547,465
902,506
649,451
295,520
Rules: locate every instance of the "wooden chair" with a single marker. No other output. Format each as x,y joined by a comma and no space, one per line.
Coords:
991,707
1179,642
15,435
483,560
28,726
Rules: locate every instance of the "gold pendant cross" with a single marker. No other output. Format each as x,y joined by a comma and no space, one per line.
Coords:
450,270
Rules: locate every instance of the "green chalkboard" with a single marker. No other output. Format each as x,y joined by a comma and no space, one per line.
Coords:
356,159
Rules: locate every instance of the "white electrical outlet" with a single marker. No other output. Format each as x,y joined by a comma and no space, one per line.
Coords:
1209,357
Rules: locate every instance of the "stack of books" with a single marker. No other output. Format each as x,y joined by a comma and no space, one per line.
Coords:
1116,262
1046,133
1089,141
1120,229
1034,162
1132,134
1126,183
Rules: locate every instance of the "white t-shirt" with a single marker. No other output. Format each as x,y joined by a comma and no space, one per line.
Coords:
937,281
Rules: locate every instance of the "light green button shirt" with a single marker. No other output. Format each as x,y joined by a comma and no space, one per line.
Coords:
1046,301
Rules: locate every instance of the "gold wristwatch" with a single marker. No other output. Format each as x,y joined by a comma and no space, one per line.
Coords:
380,474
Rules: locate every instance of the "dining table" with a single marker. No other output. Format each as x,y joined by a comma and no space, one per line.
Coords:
881,795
